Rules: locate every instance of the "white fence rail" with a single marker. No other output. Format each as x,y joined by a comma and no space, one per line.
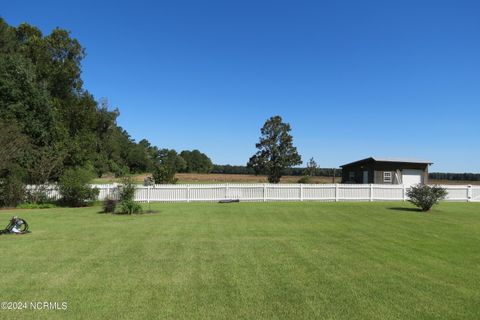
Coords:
273,192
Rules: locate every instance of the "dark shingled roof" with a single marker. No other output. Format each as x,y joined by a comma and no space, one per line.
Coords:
378,159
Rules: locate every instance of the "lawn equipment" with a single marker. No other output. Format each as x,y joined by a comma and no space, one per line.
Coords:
16,225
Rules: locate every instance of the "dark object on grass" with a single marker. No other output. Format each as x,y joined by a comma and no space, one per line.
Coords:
424,196
16,225
229,201
109,205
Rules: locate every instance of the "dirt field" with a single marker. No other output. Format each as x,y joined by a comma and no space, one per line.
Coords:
223,178
242,178
435,181
245,178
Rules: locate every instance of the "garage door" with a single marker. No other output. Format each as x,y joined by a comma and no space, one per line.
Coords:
411,177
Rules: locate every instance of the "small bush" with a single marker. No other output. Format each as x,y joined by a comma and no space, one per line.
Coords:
305,179
12,190
424,196
130,206
74,187
127,189
148,181
37,194
127,196
109,205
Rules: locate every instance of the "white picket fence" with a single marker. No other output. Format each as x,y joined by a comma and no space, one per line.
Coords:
273,192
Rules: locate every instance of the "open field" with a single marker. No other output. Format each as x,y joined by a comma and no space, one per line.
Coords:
459,182
245,178
208,178
248,260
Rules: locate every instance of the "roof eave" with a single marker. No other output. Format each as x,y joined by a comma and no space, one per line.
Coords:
386,160
358,161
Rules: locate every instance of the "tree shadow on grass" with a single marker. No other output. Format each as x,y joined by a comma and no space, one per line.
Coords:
405,209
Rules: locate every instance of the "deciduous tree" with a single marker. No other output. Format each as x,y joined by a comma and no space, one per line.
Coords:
275,150
312,167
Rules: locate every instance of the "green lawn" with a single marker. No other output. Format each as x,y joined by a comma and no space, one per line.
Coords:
247,260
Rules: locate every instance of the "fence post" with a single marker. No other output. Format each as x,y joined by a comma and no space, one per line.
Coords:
404,193
301,192
264,192
226,191
108,191
469,193
371,192
188,193
336,192
148,194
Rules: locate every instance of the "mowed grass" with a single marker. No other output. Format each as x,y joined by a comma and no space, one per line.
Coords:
247,261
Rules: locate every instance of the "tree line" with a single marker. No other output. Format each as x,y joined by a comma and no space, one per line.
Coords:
454,176
292,171
49,123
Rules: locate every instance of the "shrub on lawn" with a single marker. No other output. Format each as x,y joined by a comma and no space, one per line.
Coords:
74,188
37,194
148,181
130,206
109,205
127,196
127,189
424,196
12,190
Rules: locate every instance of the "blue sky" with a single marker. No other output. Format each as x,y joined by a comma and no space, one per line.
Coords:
353,78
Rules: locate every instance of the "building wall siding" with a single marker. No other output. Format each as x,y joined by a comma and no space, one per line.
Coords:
376,170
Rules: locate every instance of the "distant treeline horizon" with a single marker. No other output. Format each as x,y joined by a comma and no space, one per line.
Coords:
454,176
294,171
329,172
